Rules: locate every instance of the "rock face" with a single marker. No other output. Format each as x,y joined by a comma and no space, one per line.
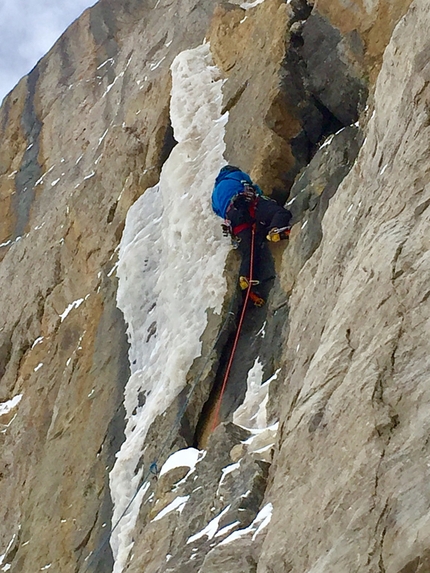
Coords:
356,393
328,109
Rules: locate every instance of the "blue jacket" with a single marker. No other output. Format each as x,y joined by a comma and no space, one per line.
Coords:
227,185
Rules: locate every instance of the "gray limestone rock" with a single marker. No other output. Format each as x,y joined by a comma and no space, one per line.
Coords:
333,80
346,323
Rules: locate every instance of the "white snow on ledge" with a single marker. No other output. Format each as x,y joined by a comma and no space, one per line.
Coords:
187,457
177,504
248,5
211,528
72,305
6,407
261,521
170,272
252,414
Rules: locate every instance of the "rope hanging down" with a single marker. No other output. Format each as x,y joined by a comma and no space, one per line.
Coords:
239,328
153,468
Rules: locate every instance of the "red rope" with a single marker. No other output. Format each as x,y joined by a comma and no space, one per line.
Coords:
239,328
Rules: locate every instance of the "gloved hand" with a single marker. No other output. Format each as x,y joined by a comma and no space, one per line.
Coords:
226,229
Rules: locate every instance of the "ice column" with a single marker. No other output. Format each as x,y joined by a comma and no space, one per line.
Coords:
170,271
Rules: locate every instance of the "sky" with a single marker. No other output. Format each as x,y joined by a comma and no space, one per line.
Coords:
28,29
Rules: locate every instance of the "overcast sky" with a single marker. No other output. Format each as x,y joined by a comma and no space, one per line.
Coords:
28,28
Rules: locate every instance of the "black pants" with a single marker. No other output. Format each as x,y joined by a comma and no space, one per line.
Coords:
268,215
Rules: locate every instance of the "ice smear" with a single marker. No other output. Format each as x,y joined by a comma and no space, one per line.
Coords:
170,272
177,504
6,407
261,521
252,413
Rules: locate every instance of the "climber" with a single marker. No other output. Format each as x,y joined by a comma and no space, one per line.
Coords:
241,203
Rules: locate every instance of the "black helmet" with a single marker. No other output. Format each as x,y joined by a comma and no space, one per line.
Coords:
228,168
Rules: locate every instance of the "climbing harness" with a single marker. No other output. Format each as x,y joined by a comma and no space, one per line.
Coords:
238,330
248,197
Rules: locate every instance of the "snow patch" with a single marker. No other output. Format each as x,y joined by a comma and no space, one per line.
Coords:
6,407
177,504
40,180
227,529
110,60
248,5
187,457
38,367
110,86
153,67
211,528
262,331
103,136
262,439
170,272
227,470
72,305
252,413
7,549
261,521
327,142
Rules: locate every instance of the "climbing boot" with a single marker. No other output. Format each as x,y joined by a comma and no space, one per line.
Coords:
275,235
244,283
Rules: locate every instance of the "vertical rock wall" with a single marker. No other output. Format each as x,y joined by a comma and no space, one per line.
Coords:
351,470
83,136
